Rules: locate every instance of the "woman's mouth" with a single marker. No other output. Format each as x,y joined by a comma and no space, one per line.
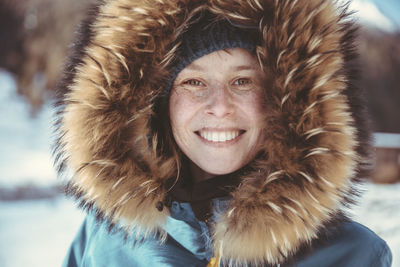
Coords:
220,135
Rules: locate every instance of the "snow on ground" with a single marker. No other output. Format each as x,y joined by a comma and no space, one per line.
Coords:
37,233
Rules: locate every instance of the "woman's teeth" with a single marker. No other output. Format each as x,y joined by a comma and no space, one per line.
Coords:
219,136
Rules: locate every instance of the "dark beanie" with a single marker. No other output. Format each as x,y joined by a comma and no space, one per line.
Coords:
207,35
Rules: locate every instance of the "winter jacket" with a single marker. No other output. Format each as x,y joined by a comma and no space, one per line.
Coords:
188,244
115,147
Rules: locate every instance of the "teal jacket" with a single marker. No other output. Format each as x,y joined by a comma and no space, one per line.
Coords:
188,244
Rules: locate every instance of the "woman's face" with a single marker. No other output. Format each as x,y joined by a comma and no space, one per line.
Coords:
216,111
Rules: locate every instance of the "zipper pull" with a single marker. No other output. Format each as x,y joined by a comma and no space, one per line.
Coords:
214,262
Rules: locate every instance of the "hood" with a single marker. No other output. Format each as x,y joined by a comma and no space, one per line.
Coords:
316,140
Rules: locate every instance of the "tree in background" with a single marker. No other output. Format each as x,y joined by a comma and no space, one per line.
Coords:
380,62
35,35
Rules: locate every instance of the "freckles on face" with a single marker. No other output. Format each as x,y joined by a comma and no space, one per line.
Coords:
181,115
216,110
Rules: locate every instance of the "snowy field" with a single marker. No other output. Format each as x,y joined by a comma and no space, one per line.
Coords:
37,233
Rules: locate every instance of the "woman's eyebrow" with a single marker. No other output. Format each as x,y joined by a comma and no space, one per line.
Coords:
244,67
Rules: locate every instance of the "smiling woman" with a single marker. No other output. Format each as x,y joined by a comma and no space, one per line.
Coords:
211,133
216,111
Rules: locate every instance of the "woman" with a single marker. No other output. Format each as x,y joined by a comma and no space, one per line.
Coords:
215,133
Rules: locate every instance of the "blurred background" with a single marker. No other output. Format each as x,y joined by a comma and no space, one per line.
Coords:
37,223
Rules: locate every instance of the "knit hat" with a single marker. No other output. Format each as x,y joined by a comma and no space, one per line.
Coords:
207,35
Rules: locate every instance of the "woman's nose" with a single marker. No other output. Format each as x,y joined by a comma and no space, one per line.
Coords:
220,103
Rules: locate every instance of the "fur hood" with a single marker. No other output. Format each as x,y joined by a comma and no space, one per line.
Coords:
316,142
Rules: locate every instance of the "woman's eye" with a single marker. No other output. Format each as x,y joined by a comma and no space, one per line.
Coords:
194,86
193,82
242,82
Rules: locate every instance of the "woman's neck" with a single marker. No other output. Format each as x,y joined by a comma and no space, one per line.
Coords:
198,174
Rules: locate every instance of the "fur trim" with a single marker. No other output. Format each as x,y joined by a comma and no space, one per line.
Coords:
315,137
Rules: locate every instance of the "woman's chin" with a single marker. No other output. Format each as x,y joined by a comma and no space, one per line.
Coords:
207,169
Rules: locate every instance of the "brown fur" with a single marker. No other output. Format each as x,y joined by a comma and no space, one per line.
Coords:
311,150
